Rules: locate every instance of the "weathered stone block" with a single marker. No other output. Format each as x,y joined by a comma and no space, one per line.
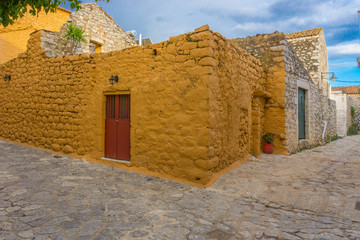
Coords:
201,52
68,149
202,28
208,61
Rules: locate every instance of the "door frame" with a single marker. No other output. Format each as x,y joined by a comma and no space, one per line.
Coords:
301,114
306,87
103,118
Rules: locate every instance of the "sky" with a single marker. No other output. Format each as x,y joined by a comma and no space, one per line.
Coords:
160,19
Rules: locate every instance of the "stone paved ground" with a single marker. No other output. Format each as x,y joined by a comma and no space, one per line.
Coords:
310,195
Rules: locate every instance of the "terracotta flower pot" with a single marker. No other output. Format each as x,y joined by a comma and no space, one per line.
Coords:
268,148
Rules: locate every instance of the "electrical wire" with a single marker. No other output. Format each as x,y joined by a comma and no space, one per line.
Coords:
348,81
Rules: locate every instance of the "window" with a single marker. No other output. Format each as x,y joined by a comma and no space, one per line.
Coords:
95,47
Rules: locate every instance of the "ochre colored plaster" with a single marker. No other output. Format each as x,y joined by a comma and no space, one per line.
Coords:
191,104
13,38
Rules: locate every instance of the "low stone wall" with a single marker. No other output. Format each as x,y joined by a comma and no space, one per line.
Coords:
343,117
323,110
348,112
354,101
190,103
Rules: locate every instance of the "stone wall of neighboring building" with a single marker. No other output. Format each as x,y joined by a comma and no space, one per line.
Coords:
310,47
348,111
320,110
190,103
285,74
343,117
324,111
14,38
355,102
101,31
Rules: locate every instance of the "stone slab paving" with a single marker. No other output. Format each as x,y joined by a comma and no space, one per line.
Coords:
309,195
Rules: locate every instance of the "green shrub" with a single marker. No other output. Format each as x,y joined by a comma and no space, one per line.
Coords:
334,138
352,130
74,35
352,112
269,137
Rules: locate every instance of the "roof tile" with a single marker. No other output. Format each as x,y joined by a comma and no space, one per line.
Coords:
305,33
347,90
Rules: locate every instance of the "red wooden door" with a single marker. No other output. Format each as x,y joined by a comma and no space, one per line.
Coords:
117,127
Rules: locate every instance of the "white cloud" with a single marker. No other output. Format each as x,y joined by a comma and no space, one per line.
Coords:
344,64
345,48
249,27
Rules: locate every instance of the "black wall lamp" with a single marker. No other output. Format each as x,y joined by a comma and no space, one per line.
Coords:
7,77
333,77
113,79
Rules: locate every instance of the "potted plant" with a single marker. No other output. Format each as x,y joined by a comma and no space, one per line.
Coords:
268,146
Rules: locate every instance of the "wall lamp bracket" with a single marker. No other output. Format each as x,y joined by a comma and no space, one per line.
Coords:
7,77
113,79
333,77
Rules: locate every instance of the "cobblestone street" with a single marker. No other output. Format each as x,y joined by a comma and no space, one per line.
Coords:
309,195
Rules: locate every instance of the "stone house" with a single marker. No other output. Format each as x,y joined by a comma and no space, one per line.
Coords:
310,47
181,109
343,115
13,38
298,114
101,31
189,108
350,98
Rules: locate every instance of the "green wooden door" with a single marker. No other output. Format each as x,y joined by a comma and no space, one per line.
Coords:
301,113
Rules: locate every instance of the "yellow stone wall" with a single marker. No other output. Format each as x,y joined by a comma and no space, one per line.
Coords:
190,103
13,38
43,103
258,124
269,49
169,106
236,78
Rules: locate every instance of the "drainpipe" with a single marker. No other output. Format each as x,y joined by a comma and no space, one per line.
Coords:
140,40
323,134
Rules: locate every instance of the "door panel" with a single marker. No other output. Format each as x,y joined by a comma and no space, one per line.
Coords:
123,131
117,127
123,140
110,127
110,138
301,113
